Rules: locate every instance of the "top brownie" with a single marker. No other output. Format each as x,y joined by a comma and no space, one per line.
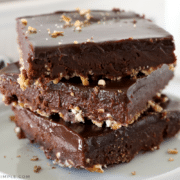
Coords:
90,44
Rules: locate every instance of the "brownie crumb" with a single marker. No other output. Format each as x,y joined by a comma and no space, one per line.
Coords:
18,156
32,30
133,173
37,169
171,159
35,158
116,10
12,118
4,156
172,151
24,21
53,167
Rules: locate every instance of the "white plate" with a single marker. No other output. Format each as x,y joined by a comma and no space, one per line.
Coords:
153,165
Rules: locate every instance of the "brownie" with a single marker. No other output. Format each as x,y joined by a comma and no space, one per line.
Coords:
118,103
85,44
91,147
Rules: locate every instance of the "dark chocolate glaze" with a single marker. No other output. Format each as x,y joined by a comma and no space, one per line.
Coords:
112,54
123,100
86,145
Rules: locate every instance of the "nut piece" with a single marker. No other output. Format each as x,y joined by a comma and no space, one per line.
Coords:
172,151
72,94
24,21
37,169
133,173
55,34
35,158
12,118
66,19
101,82
58,154
97,123
171,159
32,30
75,42
171,67
96,168
155,106
84,80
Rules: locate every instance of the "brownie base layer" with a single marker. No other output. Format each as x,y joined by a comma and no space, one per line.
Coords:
90,147
117,103
111,44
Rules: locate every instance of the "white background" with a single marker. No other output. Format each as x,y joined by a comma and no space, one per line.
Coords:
165,13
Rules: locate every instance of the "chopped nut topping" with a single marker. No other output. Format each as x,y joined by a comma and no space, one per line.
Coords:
37,169
165,99
75,42
171,67
4,156
57,33
172,151
66,19
61,115
119,91
133,173
131,38
84,12
155,106
49,32
35,158
24,21
101,82
88,16
77,9
78,23
171,159
32,30
97,123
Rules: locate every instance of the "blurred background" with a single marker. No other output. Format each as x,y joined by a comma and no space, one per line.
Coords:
165,13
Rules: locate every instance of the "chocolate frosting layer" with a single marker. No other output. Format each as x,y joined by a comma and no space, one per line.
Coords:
120,43
117,103
86,145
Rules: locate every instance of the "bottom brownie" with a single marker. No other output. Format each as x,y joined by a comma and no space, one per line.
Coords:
91,147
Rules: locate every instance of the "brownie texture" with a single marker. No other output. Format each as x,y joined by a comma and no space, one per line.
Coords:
91,147
107,44
117,103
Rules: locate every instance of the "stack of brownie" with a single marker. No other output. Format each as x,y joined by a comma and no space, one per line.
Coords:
88,84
